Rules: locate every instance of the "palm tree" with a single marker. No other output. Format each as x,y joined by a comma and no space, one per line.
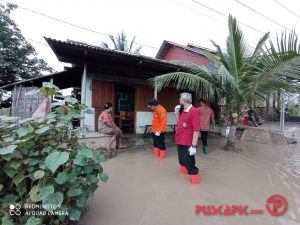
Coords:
239,76
121,43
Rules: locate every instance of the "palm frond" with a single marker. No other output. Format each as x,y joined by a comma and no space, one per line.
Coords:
184,80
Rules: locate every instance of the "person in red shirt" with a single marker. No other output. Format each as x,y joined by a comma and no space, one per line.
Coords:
207,119
187,134
159,126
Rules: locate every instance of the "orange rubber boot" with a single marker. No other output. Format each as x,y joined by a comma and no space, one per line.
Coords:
183,170
195,179
156,152
163,154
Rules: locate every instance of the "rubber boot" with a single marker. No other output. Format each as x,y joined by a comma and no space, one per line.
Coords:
195,179
163,154
205,149
156,152
183,170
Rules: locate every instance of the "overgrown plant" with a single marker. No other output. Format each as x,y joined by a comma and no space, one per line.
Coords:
44,165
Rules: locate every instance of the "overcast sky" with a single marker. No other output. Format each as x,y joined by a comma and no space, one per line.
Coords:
151,21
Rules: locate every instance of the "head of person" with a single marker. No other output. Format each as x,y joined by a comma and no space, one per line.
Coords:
152,103
202,102
185,99
108,107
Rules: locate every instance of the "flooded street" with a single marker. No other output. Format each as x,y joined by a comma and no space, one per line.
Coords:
143,190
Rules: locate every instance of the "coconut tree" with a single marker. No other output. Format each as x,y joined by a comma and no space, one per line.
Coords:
239,75
122,44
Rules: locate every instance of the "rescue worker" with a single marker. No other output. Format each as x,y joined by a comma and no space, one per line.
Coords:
159,126
187,134
207,120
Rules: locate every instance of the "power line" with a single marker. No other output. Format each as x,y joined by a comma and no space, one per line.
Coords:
286,8
224,15
80,27
71,24
262,15
220,21
38,42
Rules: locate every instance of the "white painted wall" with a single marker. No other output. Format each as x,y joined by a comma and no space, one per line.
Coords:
89,119
145,118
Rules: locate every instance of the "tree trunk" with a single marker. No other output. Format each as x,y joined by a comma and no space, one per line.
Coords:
231,144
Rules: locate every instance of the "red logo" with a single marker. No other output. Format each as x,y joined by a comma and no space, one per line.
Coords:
278,201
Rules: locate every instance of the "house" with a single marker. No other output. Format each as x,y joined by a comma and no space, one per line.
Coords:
190,53
102,75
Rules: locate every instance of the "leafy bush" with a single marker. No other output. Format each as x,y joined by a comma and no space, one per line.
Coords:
43,165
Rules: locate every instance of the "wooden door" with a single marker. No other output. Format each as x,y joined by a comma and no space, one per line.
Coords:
102,92
142,94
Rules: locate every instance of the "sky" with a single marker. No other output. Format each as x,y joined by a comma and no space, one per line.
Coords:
180,21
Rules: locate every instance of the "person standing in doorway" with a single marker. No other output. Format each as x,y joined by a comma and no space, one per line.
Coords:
207,120
159,126
186,137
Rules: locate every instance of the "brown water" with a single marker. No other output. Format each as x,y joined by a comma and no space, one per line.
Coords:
143,190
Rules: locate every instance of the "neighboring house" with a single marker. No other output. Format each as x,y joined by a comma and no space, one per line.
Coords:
102,75
190,53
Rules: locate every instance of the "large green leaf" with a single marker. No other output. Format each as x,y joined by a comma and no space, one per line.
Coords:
61,178
103,177
80,160
42,130
74,214
71,100
39,174
100,157
8,149
19,178
88,153
54,200
6,220
74,191
55,159
22,131
33,221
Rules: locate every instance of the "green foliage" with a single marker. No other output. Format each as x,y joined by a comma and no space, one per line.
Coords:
121,43
17,56
43,163
295,111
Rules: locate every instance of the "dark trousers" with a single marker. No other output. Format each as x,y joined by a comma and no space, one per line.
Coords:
159,141
204,137
186,160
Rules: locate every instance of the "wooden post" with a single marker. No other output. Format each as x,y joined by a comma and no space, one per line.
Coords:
83,92
13,101
25,105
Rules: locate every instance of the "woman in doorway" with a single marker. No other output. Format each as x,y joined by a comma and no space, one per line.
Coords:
106,125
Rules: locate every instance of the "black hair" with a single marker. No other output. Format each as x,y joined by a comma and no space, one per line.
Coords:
201,100
153,101
107,105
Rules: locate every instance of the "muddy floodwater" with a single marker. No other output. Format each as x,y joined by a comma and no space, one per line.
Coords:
143,190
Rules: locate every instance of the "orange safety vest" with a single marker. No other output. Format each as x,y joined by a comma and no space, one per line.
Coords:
159,122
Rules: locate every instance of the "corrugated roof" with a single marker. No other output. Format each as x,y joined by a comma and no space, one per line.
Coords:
69,44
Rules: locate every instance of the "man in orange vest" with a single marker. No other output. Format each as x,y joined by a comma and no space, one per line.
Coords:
159,126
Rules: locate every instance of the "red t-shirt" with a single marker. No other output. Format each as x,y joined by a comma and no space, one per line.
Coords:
189,121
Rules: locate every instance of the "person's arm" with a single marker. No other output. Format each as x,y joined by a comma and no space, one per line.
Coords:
163,121
195,138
